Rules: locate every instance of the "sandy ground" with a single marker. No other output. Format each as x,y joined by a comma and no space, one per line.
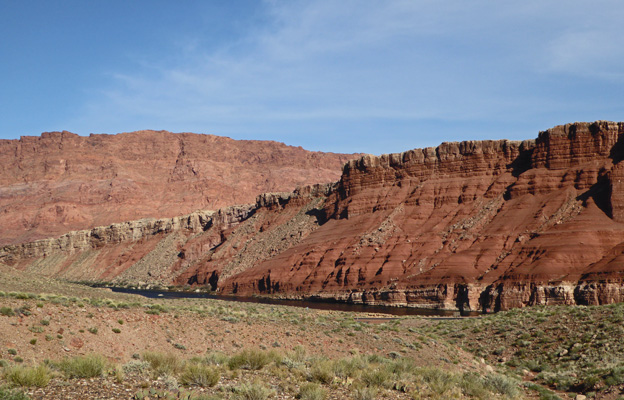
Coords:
62,320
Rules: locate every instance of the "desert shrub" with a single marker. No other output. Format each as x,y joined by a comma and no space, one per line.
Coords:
252,359
365,393
322,371
28,376
119,374
136,366
402,365
438,381
254,391
155,309
560,381
502,384
378,377
163,364
8,394
216,358
544,394
312,391
298,354
89,366
615,376
201,375
350,367
498,351
7,311
473,386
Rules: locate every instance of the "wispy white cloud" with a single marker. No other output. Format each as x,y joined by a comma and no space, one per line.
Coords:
334,65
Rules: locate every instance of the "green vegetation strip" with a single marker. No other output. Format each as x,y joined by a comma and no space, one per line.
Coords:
573,349
362,376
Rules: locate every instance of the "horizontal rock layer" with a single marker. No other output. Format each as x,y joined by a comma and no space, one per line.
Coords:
471,225
61,182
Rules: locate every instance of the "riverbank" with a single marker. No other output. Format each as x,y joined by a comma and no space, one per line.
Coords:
523,350
38,327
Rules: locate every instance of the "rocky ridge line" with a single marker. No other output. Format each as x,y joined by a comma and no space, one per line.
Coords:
471,225
61,182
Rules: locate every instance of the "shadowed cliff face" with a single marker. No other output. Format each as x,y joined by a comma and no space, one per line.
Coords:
60,182
471,225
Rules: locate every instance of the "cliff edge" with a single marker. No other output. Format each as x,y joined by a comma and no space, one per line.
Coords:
476,225
60,182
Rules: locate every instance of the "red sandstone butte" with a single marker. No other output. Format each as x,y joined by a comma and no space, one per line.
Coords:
61,182
474,225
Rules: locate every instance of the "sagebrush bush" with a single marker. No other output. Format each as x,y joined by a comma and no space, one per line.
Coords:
163,364
365,393
201,375
312,391
349,367
254,391
502,385
136,366
378,377
322,371
216,358
472,385
28,376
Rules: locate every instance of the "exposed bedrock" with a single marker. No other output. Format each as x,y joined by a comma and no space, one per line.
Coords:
60,182
478,225
472,225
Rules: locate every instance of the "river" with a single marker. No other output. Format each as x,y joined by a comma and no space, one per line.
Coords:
314,304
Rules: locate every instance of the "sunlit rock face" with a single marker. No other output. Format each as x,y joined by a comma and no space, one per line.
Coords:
61,182
474,225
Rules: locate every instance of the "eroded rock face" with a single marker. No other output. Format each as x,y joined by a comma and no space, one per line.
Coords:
62,182
472,225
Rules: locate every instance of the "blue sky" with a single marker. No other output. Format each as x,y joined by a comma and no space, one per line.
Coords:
345,76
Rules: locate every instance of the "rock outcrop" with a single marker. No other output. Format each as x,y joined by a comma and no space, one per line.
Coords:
470,226
61,182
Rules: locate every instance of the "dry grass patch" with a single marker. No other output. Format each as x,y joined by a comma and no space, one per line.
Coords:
28,376
89,366
163,364
200,375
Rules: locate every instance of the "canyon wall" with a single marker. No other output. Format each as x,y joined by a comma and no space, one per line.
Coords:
478,225
61,182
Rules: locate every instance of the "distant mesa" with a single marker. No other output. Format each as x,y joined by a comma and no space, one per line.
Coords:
477,225
60,182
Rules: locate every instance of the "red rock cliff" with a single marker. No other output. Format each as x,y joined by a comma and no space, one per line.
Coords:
60,181
471,225
491,224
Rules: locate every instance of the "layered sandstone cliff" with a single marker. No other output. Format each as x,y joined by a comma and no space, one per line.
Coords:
471,225
61,182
